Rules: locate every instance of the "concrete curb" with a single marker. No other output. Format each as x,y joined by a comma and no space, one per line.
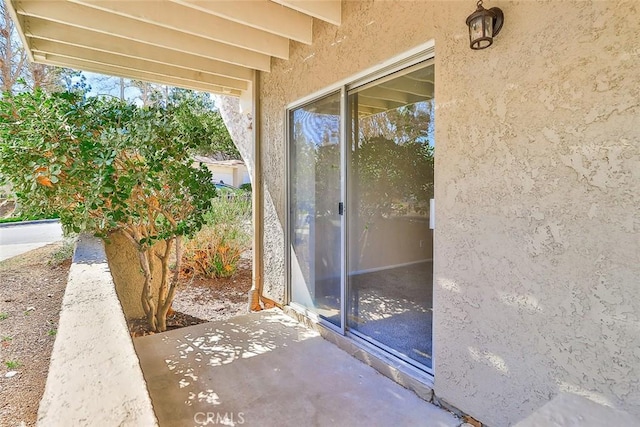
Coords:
35,221
95,376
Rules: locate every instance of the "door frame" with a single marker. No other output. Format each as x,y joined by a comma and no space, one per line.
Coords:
419,54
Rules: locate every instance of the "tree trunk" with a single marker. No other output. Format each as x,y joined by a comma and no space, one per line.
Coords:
163,307
148,304
168,286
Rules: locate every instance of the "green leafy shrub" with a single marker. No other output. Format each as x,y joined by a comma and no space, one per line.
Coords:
104,166
216,249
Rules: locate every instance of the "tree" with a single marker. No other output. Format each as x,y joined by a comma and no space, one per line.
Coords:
13,57
17,73
201,115
106,165
204,122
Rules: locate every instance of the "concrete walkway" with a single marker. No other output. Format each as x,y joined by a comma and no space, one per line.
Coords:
265,369
17,238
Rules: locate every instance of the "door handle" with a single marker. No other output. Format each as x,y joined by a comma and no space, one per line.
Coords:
340,208
432,214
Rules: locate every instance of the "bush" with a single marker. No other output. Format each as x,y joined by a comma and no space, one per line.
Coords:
246,187
216,249
104,165
65,252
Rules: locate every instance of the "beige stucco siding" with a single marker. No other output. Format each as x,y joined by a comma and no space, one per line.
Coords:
538,189
537,246
371,33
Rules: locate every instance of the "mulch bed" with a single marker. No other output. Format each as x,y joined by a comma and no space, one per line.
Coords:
202,299
140,327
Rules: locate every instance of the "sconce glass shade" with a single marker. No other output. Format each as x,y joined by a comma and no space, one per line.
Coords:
484,25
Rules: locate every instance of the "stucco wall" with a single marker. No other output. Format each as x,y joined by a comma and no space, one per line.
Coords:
537,246
362,41
538,188
240,127
127,274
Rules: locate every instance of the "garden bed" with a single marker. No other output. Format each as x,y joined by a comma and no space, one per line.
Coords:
200,299
33,286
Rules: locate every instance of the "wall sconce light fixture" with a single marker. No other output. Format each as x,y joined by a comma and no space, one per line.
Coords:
484,25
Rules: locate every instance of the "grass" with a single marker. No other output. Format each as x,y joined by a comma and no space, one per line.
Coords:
21,218
4,316
7,339
12,364
52,332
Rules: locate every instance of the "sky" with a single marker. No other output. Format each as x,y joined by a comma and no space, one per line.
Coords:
108,85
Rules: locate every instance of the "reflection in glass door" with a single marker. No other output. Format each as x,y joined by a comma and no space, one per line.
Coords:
390,185
314,218
367,269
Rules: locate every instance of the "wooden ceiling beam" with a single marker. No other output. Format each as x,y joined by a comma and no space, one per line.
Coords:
325,10
78,16
58,33
421,89
384,93
109,59
188,20
263,15
377,103
136,75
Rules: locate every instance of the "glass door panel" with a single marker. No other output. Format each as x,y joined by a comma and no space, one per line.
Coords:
390,185
315,221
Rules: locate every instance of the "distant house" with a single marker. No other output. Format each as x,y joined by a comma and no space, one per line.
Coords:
231,172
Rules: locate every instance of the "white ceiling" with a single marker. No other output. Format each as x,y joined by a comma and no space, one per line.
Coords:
212,45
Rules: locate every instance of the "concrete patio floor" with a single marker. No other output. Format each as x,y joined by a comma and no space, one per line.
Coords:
266,369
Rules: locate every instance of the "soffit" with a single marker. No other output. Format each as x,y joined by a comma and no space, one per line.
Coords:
212,46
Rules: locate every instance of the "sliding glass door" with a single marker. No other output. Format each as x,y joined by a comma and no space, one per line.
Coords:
361,176
315,220
390,184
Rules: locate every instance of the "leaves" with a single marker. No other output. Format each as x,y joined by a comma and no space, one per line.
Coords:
103,164
216,249
43,180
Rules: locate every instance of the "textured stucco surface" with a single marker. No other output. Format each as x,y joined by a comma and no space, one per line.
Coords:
127,274
94,377
537,189
362,41
240,126
274,266
537,246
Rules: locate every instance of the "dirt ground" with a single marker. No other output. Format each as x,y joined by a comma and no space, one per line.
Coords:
31,290
216,299
200,299
6,207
